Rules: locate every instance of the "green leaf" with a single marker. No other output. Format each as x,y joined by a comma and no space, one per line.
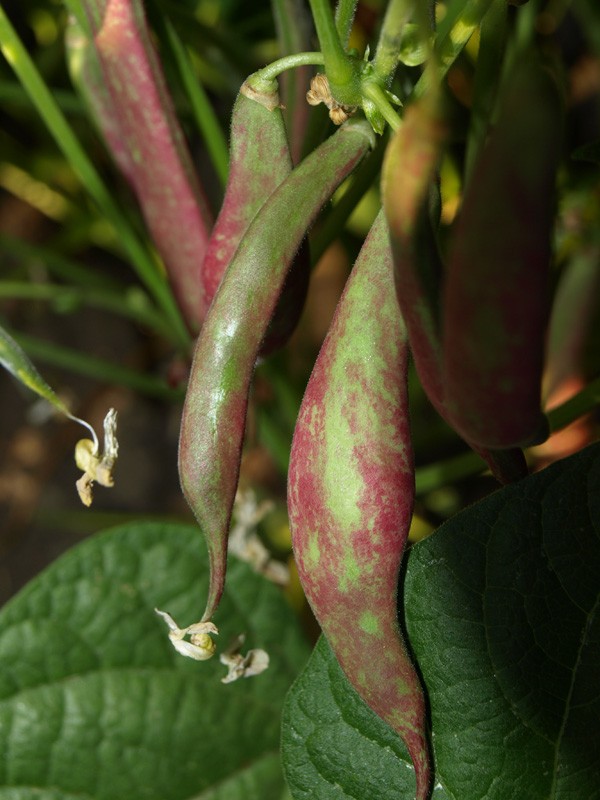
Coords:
14,359
334,747
504,622
95,702
502,614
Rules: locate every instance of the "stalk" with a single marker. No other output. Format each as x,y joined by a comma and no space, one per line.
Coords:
341,72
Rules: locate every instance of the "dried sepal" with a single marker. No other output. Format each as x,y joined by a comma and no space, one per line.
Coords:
200,646
239,666
246,544
320,92
95,467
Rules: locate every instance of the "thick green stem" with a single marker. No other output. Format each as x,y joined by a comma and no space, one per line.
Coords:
344,17
342,74
388,46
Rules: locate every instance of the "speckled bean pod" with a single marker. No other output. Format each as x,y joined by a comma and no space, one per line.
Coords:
214,414
351,491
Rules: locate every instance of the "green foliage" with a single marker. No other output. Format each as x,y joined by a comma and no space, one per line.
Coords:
94,700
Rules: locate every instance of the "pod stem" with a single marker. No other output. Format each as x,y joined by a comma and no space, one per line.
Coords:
577,406
344,17
273,70
388,47
341,71
376,94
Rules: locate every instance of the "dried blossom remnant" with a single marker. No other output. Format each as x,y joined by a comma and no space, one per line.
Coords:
97,468
245,543
200,647
239,666
320,92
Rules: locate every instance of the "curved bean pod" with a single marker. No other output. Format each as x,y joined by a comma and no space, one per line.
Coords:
260,160
214,414
351,491
409,167
496,291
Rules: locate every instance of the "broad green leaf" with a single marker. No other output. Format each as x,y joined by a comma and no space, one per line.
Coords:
501,608
95,702
504,622
334,747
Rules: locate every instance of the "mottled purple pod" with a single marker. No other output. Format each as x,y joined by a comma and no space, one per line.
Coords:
142,131
409,168
351,491
260,160
214,414
496,292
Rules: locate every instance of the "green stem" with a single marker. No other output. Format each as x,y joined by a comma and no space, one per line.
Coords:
96,368
340,70
390,39
374,92
273,70
132,304
588,399
20,61
447,472
344,17
203,112
453,33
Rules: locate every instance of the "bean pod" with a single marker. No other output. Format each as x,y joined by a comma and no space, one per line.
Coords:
214,414
496,289
123,80
408,171
260,160
351,491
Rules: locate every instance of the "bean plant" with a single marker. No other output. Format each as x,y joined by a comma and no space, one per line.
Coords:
444,532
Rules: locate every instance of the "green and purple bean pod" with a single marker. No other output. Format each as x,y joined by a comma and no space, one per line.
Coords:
496,292
351,491
260,160
408,171
122,80
214,414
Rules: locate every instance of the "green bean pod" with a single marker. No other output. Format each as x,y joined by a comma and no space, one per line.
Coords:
260,160
214,414
122,78
351,491
496,290
409,168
